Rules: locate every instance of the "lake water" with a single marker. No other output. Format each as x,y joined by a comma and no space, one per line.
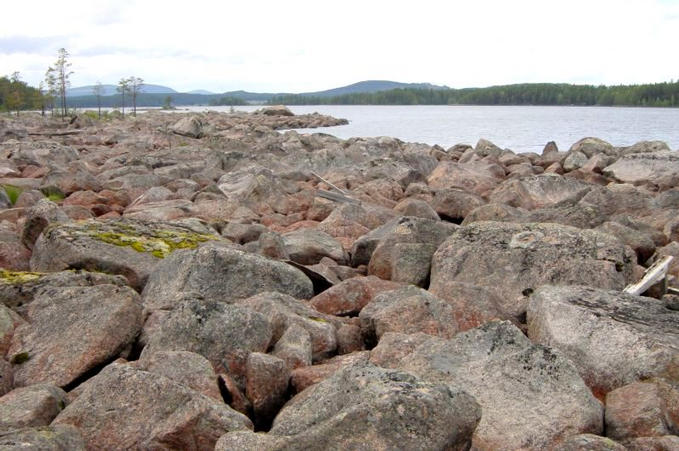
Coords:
520,128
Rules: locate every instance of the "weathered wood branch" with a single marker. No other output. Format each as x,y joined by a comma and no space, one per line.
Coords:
336,197
654,274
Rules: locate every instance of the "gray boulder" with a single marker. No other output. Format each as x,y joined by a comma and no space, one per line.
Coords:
38,217
539,191
309,246
512,260
190,126
131,248
126,408
366,407
222,273
612,338
48,438
224,334
531,396
32,406
72,330
658,169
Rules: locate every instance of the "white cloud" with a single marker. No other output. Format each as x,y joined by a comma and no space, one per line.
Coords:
300,45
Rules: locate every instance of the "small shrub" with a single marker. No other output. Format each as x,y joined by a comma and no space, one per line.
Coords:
13,192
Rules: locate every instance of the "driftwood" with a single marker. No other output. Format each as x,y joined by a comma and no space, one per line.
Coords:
339,196
654,274
56,133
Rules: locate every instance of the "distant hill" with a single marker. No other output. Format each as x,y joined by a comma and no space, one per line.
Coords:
201,92
369,86
110,90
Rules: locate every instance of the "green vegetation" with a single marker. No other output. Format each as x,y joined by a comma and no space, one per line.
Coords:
16,95
13,192
227,100
14,277
656,95
159,243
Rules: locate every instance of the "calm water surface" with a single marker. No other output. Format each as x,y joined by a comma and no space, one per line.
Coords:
520,128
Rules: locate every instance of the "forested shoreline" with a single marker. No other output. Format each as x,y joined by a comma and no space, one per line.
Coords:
652,95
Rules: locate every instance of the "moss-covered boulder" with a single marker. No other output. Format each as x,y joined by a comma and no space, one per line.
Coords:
131,248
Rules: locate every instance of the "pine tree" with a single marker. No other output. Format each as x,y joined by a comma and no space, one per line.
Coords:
62,74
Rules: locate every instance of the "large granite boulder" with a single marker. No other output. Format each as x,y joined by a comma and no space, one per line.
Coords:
612,338
72,330
348,297
223,333
309,246
477,177
126,408
531,396
539,191
48,438
403,253
658,169
32,406
222,273
366,407
131,248
512,260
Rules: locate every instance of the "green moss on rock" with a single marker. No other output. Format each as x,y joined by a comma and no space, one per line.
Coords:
18,359
16,277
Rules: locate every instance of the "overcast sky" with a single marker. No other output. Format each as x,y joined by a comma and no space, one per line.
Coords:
297,46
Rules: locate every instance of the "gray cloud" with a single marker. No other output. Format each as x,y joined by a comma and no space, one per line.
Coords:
28,44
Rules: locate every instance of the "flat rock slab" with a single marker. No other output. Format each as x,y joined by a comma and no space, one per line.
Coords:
126,408
531,396
512,260
656,168
538,191
222,273
613,338
367,407
72,330
128,247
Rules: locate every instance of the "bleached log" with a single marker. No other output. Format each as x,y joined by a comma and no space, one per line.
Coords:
336,197
654,274
328,183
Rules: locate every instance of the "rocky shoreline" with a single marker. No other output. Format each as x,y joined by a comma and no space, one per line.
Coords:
204,281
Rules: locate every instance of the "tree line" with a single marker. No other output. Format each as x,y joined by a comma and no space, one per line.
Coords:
653,95
16,95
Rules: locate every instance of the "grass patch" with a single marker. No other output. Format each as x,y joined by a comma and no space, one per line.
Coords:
13,192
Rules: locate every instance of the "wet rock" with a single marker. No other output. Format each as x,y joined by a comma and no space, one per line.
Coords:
612,338
350,296
531,396
539,191
221,273
267,383
512,260
308,247
342,412
642,409
130,248
31,406
407,310
72,330
52,438
123,407
224,334
185,368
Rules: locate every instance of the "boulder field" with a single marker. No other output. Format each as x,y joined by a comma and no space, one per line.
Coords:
220,281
